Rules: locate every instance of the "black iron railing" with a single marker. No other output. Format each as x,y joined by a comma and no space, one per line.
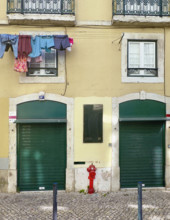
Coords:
141,7
41,6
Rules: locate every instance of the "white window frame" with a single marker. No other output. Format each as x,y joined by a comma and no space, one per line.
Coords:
141,67
160,57
23,78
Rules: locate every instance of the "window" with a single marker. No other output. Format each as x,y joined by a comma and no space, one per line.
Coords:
93,124
142,58
48,66
51,69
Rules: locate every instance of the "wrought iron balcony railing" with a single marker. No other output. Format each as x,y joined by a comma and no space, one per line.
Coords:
40,6
141,7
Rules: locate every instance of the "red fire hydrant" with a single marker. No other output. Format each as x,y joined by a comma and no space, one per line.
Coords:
92,173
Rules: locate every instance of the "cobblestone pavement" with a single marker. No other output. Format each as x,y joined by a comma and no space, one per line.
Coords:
79,206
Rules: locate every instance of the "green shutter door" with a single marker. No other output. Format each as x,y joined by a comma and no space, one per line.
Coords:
142,154
41,156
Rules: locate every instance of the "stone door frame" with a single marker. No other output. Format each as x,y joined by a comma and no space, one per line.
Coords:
12,172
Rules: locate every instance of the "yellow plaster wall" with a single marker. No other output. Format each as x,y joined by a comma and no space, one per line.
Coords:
4,128
95,10
3,10
167,61
97,153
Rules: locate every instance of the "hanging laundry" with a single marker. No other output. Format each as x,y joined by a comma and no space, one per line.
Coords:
20,65
61,42
36,48
24,46
8,46
41,42
46,42
6,41
71,43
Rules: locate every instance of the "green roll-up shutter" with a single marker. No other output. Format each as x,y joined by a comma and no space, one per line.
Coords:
41,110
142,154
142,109
41,156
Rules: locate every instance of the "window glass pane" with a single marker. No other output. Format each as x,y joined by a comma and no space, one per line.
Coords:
149,54
47,67
33,64
50,59
134,55
93,124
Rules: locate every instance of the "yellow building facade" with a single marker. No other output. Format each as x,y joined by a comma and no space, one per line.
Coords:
118,67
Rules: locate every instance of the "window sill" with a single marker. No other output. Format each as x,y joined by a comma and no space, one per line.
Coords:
38,79
140,79
58,19
140,20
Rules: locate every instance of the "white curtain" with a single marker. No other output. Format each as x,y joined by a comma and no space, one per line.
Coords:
149,55
134,54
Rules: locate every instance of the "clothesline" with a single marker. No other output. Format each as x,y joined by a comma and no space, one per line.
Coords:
26,47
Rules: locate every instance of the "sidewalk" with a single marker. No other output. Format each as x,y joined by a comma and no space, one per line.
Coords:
78,206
